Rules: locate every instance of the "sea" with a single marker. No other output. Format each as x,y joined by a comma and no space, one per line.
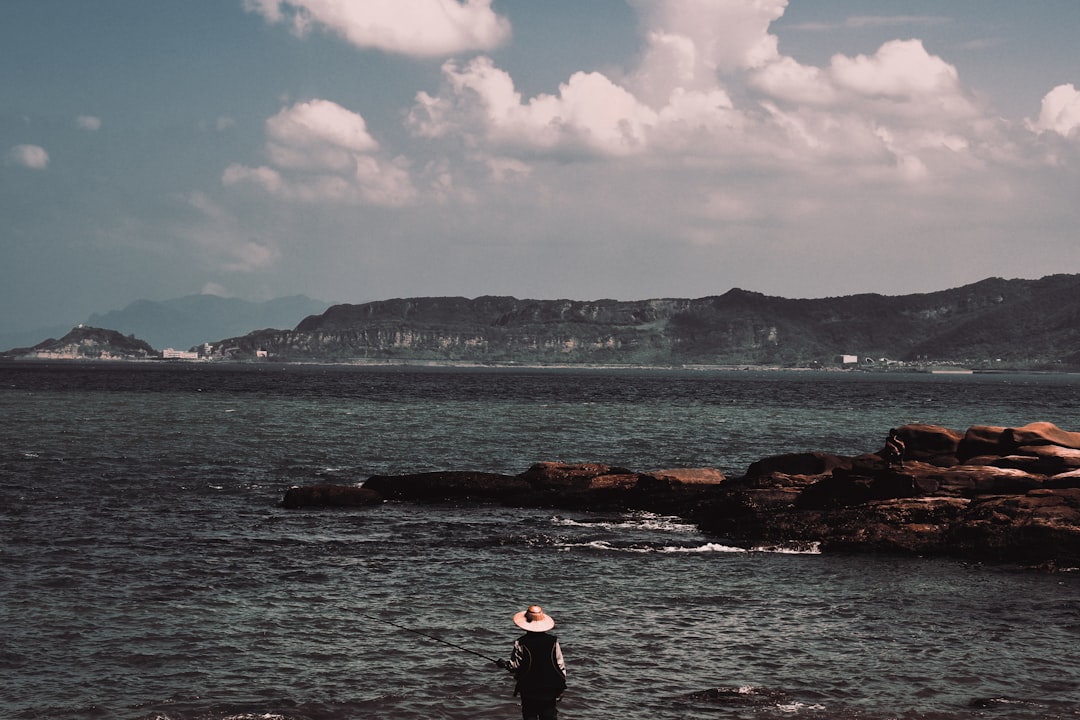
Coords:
147,571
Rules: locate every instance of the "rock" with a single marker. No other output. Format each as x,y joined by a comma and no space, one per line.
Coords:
1069,479
1037,527
915,526
330,496
979,440
448,486
688,476
1039,433
992,493
929,443
576,476
972,480
806,463
843,488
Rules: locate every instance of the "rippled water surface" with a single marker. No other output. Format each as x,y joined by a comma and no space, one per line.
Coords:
146,572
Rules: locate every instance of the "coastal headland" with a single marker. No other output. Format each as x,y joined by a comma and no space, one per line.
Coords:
987,494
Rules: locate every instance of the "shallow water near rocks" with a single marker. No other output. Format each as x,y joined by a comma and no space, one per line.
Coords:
146,572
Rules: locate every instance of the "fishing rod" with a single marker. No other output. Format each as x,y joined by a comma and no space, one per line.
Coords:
424,634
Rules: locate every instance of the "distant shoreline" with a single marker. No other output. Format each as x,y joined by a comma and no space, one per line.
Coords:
474,365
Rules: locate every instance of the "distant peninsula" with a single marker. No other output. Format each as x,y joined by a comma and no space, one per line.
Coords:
991,325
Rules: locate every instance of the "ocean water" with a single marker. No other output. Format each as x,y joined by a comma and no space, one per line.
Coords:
146,571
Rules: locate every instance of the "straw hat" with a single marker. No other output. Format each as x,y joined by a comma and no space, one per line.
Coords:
534,619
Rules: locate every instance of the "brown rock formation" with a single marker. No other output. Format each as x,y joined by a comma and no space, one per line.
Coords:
991,493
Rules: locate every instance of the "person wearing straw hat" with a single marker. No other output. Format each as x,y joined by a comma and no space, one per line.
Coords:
537,663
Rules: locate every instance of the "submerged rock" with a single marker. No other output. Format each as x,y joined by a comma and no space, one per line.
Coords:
328,495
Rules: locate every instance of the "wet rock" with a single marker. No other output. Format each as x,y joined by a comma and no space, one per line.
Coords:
991,493
1014,499
329,496
806,463
1039,526
846,487
432,487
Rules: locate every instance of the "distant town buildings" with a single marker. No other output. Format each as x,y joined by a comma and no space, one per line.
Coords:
170,354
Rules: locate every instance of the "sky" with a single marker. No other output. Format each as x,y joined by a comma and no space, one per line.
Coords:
358,150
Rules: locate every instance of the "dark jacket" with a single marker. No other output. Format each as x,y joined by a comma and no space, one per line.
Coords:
537,663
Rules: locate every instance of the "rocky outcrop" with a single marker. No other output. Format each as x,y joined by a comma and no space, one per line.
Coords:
88,343
992,493
584,486
988,494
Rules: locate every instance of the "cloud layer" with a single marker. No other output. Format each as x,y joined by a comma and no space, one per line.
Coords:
713,143
900,114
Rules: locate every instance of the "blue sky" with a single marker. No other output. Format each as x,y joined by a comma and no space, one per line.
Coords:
355,150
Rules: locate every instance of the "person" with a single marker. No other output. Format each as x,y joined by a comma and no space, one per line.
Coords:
537,664
894,449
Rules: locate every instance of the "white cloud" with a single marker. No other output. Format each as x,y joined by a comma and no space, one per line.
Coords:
705,140
1060,111
590,114
267,178
726,35
900,70
320,122
88,122
29,156
786,79
322,152
317,135
423,28
885,110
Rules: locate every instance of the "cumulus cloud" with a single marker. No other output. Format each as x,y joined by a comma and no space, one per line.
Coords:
710,101
29,156
899,70
590,114
1060,111
88,122
321,152
422,28
898,111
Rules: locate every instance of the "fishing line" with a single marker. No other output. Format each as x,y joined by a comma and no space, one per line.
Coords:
424,634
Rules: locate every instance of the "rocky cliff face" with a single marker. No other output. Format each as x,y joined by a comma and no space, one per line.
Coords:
1018,323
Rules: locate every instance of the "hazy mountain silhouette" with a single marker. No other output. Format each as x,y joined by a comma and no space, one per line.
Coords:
192,320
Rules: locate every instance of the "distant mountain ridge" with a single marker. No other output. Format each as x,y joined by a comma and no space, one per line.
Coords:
991,323
195,319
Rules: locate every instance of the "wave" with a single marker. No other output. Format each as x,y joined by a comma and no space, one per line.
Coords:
709,547
812,548
606,545
636,521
